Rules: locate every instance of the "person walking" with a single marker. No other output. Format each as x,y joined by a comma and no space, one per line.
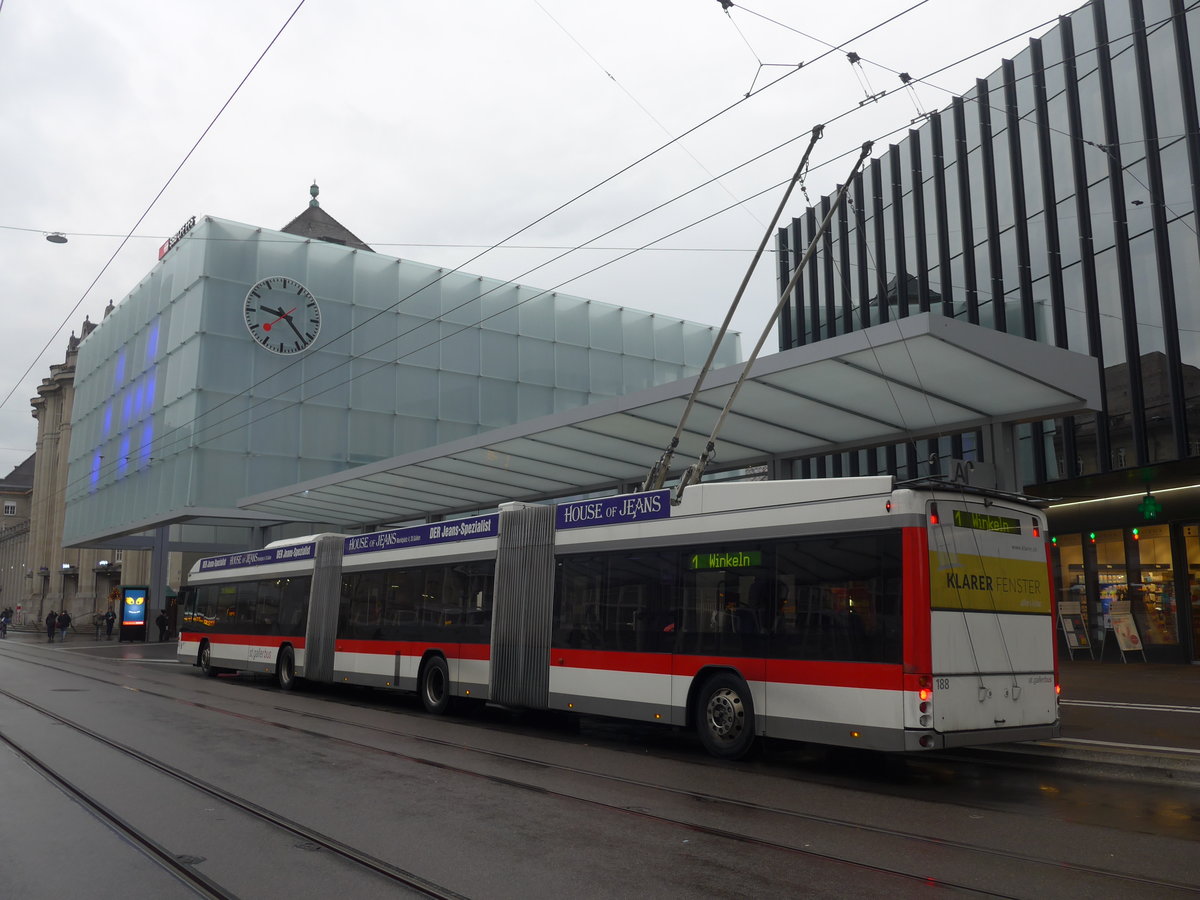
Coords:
162,622
98,621
109,618
5,621
64,622
51,624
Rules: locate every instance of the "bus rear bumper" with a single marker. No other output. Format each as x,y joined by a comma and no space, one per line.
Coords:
990,736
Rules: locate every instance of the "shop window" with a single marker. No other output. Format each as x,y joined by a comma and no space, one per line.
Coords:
1152,593
1191,543
1110,569
1072,580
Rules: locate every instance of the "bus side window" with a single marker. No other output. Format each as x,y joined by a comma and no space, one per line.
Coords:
266,614
226,617
293,605
204,615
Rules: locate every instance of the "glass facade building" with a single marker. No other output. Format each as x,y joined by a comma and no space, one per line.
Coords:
1055,201
179,411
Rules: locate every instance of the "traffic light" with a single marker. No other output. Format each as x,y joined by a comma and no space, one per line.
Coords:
1149,507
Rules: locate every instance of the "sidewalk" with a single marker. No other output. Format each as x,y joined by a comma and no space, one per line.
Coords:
1132,682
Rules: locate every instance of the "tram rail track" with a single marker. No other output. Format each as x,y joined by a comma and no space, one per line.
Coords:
709,801
183,870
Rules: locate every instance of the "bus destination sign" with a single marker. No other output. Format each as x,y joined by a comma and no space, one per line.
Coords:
984,522
725,559
614,510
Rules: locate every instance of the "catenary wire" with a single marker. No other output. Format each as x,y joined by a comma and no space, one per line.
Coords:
151,205
542,218
165,437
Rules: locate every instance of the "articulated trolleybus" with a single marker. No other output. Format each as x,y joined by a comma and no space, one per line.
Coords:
846,611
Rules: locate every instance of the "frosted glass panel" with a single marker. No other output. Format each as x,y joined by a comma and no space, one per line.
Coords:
498,355
537,317
668,341
637,334
499,307
373,391
571,320
414,434
459,398
571,367
418,392
536,361
370,436
460,349
497,402
606,375
373,386
324,433
639,373
534,401
604,327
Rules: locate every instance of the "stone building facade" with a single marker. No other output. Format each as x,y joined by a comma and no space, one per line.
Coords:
82,581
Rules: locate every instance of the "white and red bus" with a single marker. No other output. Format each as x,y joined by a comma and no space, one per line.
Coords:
845,611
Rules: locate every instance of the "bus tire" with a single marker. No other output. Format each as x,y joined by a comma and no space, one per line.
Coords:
285,669
435,686
206,665
725,716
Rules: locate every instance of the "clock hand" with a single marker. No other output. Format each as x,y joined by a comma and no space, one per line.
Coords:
295,329
281,315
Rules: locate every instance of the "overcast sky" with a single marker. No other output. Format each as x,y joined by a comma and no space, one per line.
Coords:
437,130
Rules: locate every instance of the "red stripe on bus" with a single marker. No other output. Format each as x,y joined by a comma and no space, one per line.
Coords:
918,648
415,648
880,676
243,640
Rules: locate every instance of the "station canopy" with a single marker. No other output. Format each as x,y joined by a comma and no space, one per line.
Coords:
916,377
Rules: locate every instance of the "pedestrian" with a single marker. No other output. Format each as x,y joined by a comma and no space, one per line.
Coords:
5,620
109,618
64,622
162,622
51,624
98,622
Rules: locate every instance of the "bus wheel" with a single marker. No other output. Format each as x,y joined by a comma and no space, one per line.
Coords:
435,686
285,669
725,716
206,665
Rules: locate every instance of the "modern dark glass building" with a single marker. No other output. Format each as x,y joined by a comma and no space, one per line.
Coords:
1056,201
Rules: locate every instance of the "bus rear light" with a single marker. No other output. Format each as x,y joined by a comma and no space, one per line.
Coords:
926,721
1037,530
933,514
924,707
924,694
1057,689
856,734
888,506
926,741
